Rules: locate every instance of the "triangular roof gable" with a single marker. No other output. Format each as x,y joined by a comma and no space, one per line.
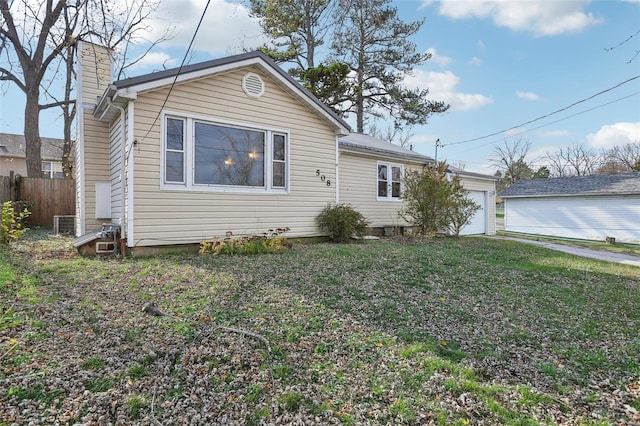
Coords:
128,88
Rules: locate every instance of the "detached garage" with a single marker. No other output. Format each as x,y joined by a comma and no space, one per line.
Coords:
585,207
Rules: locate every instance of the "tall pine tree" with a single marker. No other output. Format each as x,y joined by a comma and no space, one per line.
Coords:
374,42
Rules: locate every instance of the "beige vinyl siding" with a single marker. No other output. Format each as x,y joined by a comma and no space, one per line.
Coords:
173,216
94,137
13,164
474,184
116,135
359,187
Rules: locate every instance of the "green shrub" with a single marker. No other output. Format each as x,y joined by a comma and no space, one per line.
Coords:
435,202
12,222
342,222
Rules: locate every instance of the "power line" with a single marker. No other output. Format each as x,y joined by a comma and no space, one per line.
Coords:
559,120
547,115
175,79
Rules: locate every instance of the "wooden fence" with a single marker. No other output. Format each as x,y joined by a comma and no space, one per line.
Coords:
45,197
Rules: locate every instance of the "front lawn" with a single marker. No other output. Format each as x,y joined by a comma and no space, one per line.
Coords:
445,331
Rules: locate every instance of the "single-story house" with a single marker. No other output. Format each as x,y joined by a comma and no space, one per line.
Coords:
233,144
370,179
585,207
13,156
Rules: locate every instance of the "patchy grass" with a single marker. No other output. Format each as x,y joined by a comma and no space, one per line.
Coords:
626,248
443,331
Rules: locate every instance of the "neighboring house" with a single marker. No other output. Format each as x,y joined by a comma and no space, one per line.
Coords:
13,157
371,173
238,146
586,207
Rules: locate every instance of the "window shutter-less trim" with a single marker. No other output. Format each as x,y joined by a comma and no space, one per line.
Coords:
253,85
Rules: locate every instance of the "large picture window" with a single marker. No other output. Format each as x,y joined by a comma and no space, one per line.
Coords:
228,156
207,155
389,181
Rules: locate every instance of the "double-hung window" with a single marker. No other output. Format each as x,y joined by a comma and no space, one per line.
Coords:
389,181
207,155
52,170
174,151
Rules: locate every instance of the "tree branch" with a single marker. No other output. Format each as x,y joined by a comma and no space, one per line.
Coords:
9,76
56,104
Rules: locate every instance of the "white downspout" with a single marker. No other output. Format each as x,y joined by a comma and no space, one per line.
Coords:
337,182
123,232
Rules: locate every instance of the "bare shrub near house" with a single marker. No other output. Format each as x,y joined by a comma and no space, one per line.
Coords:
436,203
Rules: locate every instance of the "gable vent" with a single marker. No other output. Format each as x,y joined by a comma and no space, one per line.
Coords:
253,85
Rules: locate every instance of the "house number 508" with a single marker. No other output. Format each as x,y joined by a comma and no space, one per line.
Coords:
323,178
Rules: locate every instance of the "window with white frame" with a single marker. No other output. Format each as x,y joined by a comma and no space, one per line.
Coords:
52,170
174,151
220,156
389,181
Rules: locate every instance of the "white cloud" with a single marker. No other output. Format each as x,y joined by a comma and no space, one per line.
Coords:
515,132
475,61
481,44
540,17
438,59
442,87
552,133
155,61
527,96
613,135
226,29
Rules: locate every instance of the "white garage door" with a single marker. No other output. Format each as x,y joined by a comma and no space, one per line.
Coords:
478,223
589,218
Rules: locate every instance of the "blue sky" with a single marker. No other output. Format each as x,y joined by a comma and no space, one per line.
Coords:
498,63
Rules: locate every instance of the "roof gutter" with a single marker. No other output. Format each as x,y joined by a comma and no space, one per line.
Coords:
104,102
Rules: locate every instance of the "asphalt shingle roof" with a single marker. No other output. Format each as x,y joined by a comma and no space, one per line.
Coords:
616,184
14,146
366,143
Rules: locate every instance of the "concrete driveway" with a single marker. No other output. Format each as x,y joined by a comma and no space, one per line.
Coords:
607,256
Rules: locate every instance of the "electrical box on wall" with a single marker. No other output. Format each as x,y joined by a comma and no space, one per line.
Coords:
103,201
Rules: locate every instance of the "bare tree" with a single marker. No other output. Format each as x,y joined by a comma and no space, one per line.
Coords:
392,134
510,160
37,42
33,52
624,158
574,160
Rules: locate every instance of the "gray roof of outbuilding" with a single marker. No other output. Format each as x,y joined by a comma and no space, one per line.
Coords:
15,146
372,145
229,60
616,184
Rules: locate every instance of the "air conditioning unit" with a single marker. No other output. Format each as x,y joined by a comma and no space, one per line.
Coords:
64,224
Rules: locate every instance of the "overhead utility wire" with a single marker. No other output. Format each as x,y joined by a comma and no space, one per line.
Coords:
558,120
546,115
175,79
